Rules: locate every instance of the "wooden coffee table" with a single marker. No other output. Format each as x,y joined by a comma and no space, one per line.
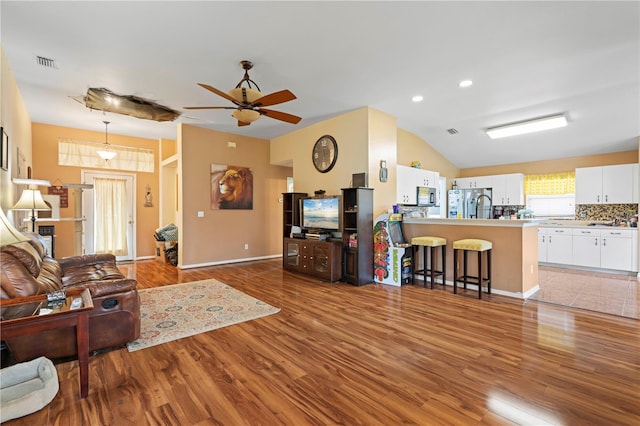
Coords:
30,315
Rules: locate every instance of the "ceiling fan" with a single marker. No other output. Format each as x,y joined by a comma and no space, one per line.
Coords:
250,102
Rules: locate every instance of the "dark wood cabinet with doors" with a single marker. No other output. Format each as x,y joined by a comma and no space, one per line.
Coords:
357,235
322,259
291,211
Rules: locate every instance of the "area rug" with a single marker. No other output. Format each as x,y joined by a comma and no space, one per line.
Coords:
172,312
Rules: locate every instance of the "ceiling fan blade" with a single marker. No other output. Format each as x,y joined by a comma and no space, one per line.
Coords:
274,98
218,92
278,115
208,107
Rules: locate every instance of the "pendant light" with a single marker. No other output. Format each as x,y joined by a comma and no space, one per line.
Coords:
106,153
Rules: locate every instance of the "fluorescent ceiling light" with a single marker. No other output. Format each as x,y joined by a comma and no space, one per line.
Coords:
529,126
417,98
465,83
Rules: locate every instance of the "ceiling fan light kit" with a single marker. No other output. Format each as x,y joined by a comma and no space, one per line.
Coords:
249,101
528,126
245,115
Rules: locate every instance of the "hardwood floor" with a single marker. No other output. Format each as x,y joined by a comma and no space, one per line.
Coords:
370,355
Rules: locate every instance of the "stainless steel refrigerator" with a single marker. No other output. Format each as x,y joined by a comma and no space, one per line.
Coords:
470,203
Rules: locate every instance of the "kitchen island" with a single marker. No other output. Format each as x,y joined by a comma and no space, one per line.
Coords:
514,254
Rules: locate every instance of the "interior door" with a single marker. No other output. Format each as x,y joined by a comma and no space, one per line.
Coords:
88,206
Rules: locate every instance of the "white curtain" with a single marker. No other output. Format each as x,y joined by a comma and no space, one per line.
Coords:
83,154
111,216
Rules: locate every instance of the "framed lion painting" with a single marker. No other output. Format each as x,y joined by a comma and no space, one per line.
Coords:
231,187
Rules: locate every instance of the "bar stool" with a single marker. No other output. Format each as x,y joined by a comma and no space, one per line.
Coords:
429,244
467,245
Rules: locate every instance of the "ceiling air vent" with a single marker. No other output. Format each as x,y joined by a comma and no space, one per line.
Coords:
46,62
452,131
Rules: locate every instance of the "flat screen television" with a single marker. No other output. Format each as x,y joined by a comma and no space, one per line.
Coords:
321,213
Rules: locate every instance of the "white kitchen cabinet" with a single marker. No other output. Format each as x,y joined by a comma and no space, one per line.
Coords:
559,246
427,178
408,179
586,247
608,248
406,185
605,185
617,250
474,182
508,189
543,237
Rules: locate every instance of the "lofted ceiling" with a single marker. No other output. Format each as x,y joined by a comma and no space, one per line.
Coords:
526,60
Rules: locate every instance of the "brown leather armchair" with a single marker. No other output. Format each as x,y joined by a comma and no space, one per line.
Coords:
26,270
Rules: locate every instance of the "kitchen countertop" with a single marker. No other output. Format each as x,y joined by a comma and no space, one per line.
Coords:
511,223
581,224
516,223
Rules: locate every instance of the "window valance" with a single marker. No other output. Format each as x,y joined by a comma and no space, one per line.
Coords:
80,153
550,184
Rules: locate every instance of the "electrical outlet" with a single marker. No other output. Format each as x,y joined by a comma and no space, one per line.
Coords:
246,246
200,214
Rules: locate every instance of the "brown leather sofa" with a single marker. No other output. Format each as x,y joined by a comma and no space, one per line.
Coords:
26,270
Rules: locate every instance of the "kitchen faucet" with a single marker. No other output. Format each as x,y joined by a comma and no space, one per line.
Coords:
478,203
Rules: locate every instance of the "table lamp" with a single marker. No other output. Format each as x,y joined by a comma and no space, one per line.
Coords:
9,234
31,199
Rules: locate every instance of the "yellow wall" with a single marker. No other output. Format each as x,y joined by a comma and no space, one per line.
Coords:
412,148
220,235
45,166
15,121
351,133
168,147
552,166
382,136
365,136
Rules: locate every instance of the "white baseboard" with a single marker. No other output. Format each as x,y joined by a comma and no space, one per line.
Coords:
517,295
224,262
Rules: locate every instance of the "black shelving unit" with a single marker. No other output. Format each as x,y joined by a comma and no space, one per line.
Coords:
357,235
291,211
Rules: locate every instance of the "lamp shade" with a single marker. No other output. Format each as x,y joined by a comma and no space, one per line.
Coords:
246,115
9,234
31,199
106,154
245,95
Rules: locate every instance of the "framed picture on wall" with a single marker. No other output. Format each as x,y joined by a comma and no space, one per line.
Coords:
4,150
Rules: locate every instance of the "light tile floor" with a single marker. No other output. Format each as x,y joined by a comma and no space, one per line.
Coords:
596,291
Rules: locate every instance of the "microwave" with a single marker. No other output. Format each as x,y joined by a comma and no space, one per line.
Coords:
427,196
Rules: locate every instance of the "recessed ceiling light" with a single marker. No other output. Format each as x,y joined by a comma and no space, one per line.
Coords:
417,98
465,83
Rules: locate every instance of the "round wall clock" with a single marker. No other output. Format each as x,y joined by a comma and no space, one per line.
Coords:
325,153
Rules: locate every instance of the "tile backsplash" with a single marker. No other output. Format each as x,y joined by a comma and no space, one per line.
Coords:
605,212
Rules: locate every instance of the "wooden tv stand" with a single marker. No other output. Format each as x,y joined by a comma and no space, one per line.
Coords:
322,259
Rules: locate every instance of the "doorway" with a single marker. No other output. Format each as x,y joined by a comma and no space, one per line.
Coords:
103,230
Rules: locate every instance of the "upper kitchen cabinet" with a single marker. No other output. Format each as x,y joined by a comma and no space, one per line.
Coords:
427,178
606,185
406,186
474,182
408,180
508,190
